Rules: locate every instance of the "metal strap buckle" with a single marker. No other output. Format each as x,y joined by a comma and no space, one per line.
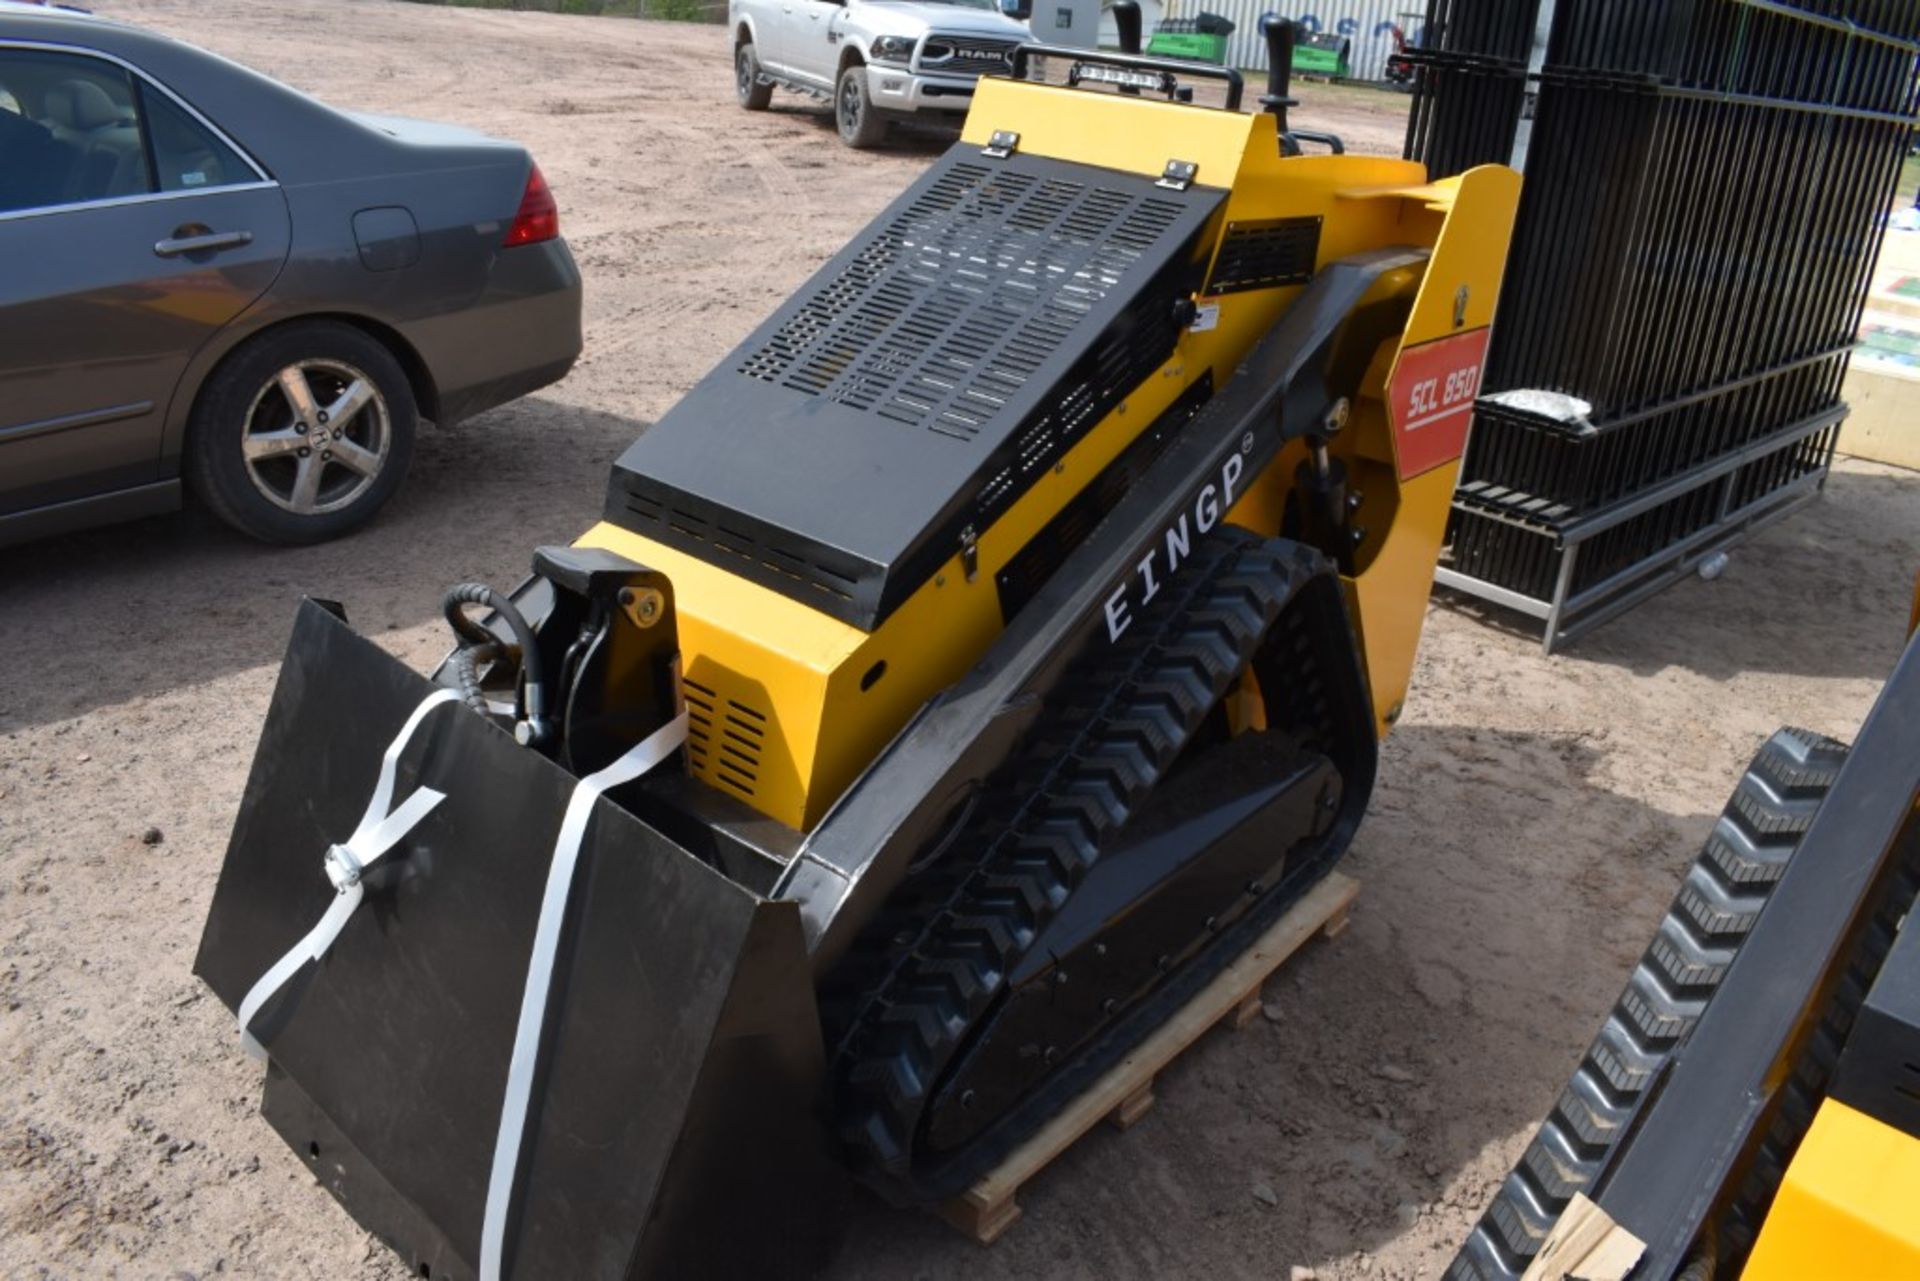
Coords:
343,869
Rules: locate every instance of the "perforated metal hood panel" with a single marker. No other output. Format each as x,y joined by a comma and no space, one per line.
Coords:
913,388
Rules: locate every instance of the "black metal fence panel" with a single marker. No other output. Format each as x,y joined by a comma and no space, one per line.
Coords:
1706,185
1470,82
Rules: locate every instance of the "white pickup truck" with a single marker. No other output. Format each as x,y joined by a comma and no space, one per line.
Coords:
875,59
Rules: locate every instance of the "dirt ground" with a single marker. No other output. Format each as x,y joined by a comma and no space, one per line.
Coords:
1530,822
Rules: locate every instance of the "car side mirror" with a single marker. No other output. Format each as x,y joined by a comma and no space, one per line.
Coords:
1018,10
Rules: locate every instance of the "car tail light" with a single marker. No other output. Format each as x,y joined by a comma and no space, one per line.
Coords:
538,218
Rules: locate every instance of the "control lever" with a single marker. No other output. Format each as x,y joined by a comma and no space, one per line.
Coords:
1280,35
1126,23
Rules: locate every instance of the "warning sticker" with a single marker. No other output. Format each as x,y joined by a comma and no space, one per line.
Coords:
1431,399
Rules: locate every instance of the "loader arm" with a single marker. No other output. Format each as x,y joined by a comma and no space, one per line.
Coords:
857,855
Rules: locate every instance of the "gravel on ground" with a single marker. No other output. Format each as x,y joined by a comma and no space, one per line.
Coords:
1531,819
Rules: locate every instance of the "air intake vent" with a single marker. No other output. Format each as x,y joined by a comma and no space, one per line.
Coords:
1265,254
921,380
1024,575
725,738
952,308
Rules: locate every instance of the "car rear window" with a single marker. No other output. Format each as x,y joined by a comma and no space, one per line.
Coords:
77,129
72,134
186,154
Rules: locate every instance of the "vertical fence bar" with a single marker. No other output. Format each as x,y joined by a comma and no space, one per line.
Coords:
1705,186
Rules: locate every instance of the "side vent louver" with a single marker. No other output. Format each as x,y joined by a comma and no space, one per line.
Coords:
1265,253
725,738
942,319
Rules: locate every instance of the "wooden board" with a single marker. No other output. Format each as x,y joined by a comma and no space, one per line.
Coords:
1585,1245
1125,1093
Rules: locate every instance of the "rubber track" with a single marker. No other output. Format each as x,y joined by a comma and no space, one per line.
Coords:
1800,1098
940,955
1718,903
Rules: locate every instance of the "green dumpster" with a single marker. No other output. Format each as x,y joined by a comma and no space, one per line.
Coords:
1322,54
1202,38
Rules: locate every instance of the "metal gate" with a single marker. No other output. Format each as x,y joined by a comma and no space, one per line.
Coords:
1706,182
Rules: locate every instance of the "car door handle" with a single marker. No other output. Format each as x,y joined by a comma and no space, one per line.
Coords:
175,245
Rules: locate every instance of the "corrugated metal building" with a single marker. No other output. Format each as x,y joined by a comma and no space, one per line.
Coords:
1376,28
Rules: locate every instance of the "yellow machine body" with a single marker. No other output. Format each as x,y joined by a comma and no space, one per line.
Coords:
1847,1207
790,704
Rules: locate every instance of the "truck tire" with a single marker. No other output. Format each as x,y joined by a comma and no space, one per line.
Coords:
1718,903
861,125
753,92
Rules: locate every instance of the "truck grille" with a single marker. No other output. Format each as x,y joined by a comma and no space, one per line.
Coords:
965,55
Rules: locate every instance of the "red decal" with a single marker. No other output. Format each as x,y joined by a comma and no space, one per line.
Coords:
1431,398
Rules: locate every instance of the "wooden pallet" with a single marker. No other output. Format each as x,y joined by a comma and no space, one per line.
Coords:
1125,1093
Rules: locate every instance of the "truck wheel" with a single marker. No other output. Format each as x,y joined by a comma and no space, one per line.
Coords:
753,92
302,433
860,125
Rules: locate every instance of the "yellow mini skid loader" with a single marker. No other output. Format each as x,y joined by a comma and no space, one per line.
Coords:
966,670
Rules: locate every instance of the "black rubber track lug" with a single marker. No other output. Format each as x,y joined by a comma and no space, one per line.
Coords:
939,955
1717,905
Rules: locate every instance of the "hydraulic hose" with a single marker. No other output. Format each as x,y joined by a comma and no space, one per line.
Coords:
466,667
474,638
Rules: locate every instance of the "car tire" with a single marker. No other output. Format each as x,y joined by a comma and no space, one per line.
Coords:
753,92
287,475
861,125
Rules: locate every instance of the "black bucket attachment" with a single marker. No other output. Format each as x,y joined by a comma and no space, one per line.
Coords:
673,1125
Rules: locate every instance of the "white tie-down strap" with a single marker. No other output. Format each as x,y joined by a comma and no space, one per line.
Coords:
652,750
380,829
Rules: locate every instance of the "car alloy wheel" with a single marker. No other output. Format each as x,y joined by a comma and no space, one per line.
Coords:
317,437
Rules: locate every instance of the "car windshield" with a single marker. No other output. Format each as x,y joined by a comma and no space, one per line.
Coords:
988,5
